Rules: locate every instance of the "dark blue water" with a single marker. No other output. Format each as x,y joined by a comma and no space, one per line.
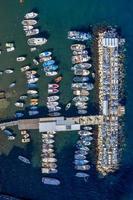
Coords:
56,18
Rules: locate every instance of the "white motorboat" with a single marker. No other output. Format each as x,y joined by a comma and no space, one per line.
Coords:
27,28
36,41
52,104
25,68
32,32
29,22
53,91
32,91
33,80
85,133
87,128
80,98
51,73
53,86
19,104
82,167
50,181
20,58
30,15
9,71
51,160
68,106
10,49
52,98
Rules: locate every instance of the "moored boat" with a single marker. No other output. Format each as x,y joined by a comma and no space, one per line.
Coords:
52,73
78,47
81,72
19,104
82,167
58,79
24,159
29,22
45,53
20,58
53,86
27,28
52,98
53,91
82,175
79,36
9,71
68,106
25,68
50,181
49,62
36,41
32,32
30,15
80,79
80,98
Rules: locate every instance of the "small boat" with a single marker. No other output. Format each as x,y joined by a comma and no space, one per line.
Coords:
33,49
35,61
82,152
50,68
54,114
1,72
46,145
49,62
79,157
80,162
44,59
81,92
32,32
10,49
32,91
80,79
27,28
9,45
23,97
33,112
50,181
45,53
49,142
12,84
68,106
51,160
24,159
33,80
51,73
9,71
81,72
52,104
84,52
19,104
25,68
7,132
20,58
31,72
58,79
77,47
85,86
47,150
79,36
82,175
33,107
82,112
80,59
85,133
52,98
82,66
30,15
19,114
31,85
82,167
55,109
87,128
29,22
53,91
36,41
86,137
80,98
53,86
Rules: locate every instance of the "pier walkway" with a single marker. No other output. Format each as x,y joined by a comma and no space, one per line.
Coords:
54,123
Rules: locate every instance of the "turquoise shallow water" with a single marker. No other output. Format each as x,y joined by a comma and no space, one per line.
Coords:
56,18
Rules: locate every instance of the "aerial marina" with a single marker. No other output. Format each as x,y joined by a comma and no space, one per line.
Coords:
63,105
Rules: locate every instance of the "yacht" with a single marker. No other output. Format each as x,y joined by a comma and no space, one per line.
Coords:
77,47
79,36
36,41
9,71
45,53
19,104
